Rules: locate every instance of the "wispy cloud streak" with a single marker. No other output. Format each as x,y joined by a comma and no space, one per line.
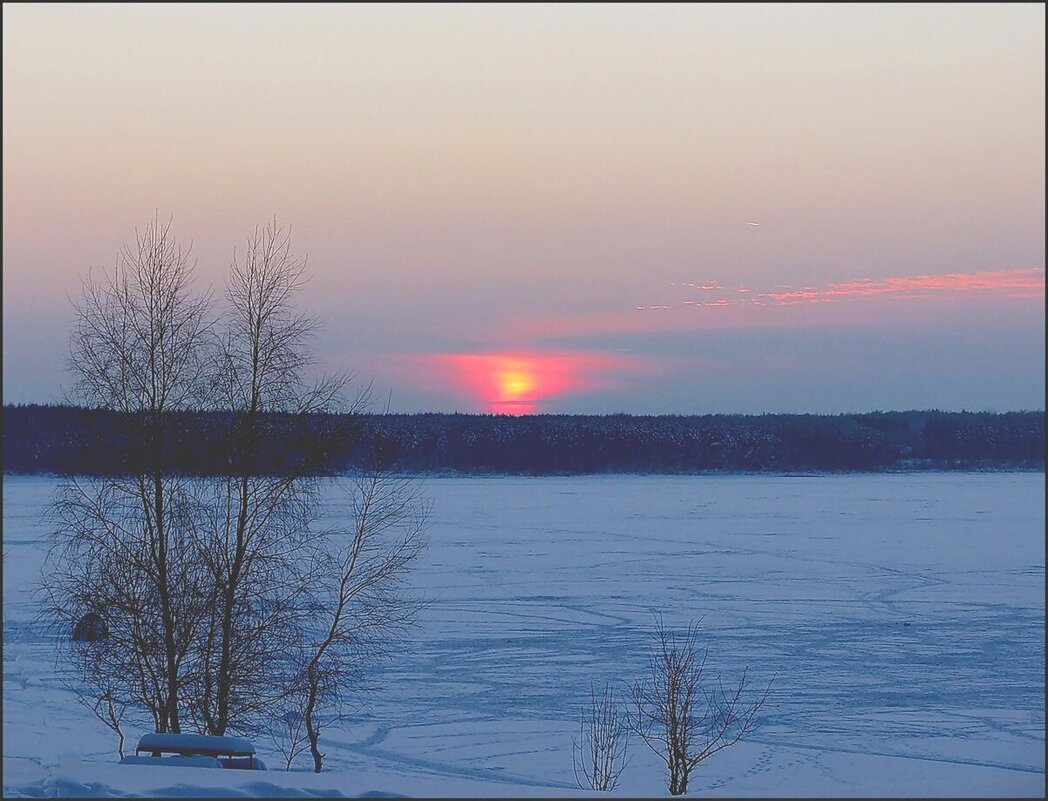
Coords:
709,304
1023,283
1019,284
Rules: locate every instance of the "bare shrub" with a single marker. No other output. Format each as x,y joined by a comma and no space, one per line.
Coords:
678,715
600,754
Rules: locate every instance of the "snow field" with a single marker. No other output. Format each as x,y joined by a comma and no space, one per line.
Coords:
900,619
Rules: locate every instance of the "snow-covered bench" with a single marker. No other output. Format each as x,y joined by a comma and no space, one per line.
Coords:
195,750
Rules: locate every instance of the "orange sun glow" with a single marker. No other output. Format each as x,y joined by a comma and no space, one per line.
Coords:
516,383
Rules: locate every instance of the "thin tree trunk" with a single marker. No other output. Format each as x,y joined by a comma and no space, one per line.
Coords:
312,732
225,672
167,614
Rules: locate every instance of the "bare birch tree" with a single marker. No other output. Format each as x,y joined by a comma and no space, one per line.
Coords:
257,521
138,348
678,716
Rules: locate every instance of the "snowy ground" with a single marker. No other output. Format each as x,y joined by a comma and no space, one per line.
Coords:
902,617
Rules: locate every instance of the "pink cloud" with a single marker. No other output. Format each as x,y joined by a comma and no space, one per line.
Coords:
850,302
1021,284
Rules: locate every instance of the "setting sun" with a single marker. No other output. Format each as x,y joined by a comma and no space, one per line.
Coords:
517,382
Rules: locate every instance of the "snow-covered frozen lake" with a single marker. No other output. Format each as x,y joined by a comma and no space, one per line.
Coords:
902,617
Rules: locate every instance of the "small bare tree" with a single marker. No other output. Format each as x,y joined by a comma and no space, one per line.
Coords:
600,754
677,716
102,694
287,727
110,711
361,607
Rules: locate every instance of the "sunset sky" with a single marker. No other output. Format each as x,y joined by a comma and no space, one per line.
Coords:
675,209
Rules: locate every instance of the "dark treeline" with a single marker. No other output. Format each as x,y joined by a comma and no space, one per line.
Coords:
73,440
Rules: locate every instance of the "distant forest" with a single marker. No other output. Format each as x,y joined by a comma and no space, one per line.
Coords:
71,440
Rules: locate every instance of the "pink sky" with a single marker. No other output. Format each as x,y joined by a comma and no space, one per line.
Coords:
697,193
